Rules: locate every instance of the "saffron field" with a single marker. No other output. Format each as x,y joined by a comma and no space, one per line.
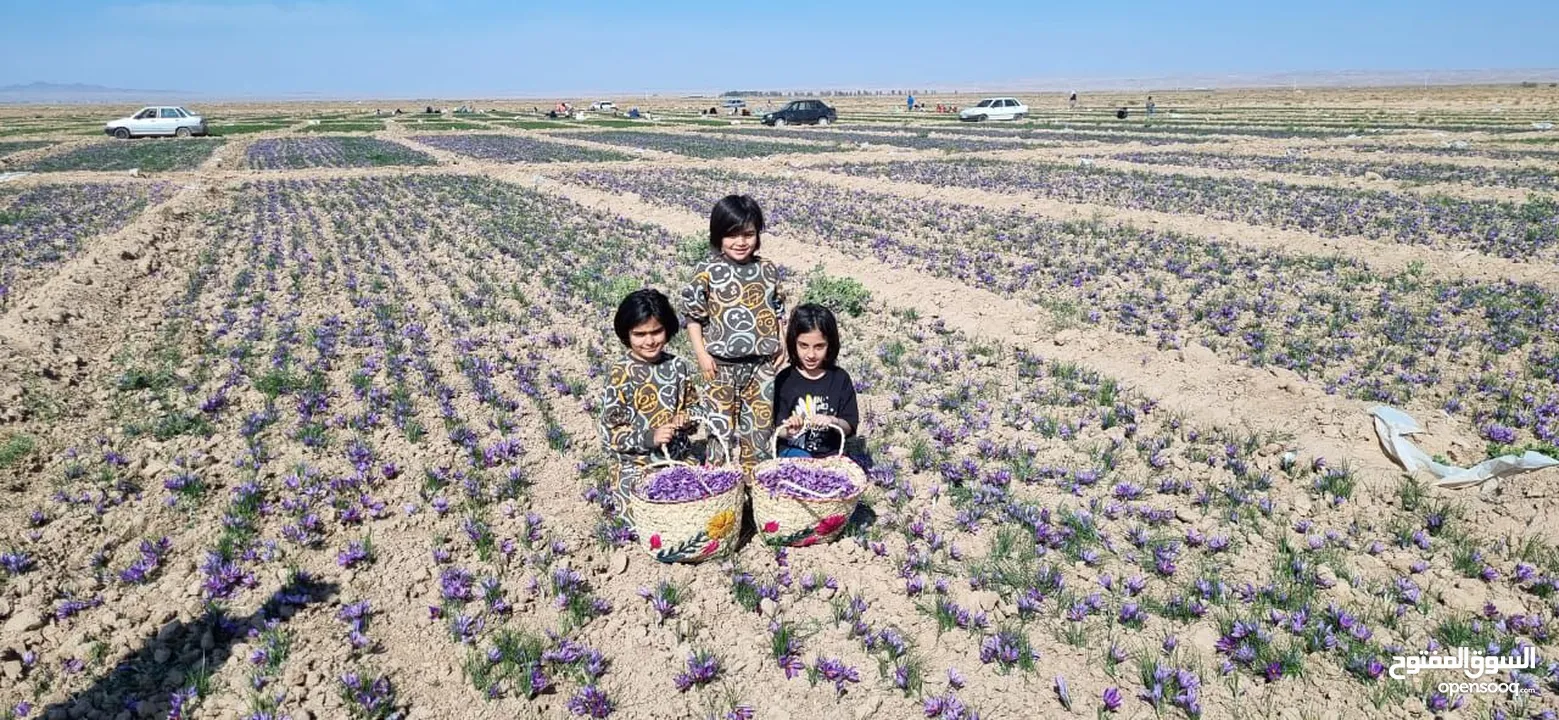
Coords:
299,425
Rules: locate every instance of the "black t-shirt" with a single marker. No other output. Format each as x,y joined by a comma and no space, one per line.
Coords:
832,394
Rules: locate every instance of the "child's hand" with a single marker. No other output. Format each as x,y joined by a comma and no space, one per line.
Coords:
794,423
781,358
664,434
706,363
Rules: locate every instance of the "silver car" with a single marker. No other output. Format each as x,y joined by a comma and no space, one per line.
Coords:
158,120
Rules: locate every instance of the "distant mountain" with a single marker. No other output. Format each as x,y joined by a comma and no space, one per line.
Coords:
67,93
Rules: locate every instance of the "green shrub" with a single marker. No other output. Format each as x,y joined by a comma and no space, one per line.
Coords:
841,295
693,249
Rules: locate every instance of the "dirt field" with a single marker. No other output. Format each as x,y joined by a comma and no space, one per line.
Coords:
299,422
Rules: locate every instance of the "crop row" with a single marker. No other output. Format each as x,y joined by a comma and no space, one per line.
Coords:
1389,338
8,147
1403,171
1528,230
1463,150
46,225
512,148
700,146
331,151
1112,136
920,141
147,154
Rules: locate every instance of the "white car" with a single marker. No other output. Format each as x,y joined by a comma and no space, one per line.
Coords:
997,108
158,120
603,106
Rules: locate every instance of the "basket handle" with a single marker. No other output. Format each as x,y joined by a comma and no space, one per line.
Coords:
725,448
806,426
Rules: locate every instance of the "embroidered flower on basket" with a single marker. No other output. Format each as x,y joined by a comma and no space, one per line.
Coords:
829,524
721,524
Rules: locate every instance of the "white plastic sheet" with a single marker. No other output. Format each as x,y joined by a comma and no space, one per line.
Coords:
1394,427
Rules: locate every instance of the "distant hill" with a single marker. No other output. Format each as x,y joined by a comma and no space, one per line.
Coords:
47,93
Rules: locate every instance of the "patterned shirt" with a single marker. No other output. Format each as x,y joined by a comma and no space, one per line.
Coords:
739,305
640,397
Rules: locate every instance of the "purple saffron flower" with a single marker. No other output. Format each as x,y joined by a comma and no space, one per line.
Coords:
1111,697
590,702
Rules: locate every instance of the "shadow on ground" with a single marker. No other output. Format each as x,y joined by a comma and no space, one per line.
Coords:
141,685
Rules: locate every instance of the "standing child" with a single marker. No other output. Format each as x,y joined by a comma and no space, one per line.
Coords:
814,392
649,392
735,310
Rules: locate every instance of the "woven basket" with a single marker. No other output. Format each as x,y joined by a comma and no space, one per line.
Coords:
686,532
796,519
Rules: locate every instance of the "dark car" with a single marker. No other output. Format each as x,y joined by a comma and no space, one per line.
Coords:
797,112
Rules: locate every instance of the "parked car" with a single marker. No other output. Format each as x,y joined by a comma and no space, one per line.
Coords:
159,120
997,108
603,106
798,112
735,104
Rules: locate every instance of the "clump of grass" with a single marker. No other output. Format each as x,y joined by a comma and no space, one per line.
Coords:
841,295
14,447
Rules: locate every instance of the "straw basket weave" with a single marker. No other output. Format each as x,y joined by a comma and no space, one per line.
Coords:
687,532
795,516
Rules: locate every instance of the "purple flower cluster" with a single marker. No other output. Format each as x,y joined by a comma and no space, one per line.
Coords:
222,577
147,156
702,668
835,671
70,607
700,146
1505,229
145,567
1007,648
46,225
686,484
368,698
331,151
516,149
16,562
591,702
947,707
1405,171
813,482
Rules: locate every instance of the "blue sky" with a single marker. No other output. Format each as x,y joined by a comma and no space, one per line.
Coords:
422,48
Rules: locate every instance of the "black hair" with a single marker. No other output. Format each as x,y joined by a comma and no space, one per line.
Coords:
641,306
813,317
733,213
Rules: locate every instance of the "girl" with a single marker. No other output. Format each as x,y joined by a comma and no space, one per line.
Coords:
735,311
649,392
814,392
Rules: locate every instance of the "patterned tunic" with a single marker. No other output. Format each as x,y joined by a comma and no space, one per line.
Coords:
739,305
638,398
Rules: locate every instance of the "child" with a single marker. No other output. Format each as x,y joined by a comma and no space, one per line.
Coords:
735,310
814,391
648,395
